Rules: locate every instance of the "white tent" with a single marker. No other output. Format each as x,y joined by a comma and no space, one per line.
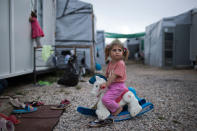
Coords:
16,52
167,42
135,45
75,27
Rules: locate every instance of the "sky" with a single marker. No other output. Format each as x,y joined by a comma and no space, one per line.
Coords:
132,16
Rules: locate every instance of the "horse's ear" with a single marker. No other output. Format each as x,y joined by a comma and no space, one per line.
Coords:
100,79
97,78
92,80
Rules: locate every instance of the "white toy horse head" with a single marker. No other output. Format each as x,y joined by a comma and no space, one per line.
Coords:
96,86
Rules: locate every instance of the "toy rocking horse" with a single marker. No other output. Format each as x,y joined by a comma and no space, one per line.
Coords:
133,105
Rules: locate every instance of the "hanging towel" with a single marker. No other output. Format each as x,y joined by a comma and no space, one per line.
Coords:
46,52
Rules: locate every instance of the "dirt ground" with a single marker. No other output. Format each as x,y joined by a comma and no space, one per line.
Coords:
173,93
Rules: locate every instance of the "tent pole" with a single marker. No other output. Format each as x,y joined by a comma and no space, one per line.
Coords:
34,70
92,49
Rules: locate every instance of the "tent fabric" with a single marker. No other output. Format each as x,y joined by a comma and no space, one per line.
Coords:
134,45
67,7
99,48
115,35
74,21
75,26
154,45
193,32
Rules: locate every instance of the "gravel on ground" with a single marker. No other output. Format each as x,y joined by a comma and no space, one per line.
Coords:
173,93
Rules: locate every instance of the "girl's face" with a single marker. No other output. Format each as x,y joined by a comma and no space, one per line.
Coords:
116,53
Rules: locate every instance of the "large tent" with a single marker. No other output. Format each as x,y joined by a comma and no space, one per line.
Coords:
135,45
167,42
75,28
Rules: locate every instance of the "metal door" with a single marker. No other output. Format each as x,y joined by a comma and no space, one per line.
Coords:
182,45
168,48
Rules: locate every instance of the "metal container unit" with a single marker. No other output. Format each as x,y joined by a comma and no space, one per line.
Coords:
16,49
193,38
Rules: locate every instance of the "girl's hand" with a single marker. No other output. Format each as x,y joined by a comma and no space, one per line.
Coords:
103,86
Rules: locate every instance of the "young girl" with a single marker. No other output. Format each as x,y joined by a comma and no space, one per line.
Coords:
116,75
36,29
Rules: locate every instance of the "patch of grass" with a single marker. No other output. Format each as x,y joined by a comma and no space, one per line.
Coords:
78,87
52,79
176,122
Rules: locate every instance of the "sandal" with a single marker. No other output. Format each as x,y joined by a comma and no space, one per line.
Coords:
27,109
67,102
34,103
16,103
100,123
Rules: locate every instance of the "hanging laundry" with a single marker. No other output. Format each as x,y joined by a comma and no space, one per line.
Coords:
46,52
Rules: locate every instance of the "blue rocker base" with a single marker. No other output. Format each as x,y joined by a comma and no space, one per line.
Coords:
124,115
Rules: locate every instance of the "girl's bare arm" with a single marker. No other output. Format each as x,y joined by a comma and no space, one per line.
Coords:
109,81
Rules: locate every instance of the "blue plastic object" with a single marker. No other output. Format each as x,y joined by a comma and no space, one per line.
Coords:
93,79
98,67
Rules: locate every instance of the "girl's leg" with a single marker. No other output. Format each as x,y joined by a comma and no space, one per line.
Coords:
111,95
117,111
34,42
38,42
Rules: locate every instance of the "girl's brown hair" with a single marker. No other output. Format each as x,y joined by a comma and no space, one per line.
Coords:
115,42
33,13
